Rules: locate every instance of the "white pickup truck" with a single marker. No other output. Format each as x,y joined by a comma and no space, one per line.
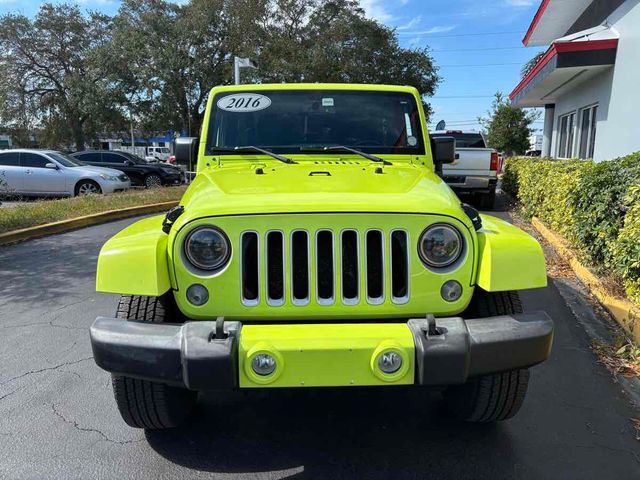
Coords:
475,171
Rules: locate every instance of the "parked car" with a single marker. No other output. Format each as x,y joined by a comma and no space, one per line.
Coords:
475,171
533,153
317,247
139,171
51,173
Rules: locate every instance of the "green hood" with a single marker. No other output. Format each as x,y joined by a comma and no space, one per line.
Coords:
318,187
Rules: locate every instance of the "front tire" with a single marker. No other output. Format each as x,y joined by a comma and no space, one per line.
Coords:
152,181
494,397
143,403
487,201
87,187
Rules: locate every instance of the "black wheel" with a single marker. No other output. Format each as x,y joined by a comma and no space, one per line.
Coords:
487,200
493,397
87,187
142,403
152,181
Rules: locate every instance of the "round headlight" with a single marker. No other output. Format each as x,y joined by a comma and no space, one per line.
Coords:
440,245
207,248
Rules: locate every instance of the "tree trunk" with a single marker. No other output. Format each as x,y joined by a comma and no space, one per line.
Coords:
78,134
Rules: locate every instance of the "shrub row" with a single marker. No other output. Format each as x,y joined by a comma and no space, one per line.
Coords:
595,206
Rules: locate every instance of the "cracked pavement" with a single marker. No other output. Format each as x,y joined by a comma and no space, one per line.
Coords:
58,418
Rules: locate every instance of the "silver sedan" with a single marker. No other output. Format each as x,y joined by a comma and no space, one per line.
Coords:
50,173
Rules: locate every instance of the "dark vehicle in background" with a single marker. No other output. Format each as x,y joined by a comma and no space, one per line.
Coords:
475,170
137,169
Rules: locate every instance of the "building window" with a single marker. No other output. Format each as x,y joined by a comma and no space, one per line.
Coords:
587,131
565,141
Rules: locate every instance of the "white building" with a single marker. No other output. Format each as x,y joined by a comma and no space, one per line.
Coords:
588,81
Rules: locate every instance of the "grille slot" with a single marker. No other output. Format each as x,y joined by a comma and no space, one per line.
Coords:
275,268
350,267
250,268
399,267
300,267
325,262
375,266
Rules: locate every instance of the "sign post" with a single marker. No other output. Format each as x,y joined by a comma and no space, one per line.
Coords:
239,63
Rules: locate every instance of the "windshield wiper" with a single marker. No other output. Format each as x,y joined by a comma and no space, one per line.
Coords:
373,158
251,148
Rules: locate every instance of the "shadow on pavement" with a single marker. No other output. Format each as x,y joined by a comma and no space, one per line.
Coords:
330,434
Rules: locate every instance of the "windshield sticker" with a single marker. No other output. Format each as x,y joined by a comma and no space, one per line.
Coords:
407,122
244,102
327,102
412,141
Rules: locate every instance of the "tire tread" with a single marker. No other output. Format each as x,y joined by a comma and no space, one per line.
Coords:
493,397
143,403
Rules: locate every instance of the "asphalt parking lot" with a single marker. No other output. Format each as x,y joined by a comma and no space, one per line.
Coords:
58,418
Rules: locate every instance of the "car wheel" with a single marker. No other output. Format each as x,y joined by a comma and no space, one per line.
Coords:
495,397
487,200
152,181
143,403
88,187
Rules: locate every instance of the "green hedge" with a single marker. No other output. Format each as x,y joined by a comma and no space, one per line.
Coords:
596,206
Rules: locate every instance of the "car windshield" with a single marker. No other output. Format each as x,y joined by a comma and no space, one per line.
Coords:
307,121
66,160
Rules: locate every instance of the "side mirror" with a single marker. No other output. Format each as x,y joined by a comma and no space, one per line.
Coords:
52,166
128,163
444,149
186,152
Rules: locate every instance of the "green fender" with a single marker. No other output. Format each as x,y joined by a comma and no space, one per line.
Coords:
509,259
134,261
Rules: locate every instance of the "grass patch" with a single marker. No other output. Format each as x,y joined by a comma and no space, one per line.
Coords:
39,212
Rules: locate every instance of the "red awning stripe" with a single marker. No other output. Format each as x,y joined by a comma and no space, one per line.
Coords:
563,47
534,23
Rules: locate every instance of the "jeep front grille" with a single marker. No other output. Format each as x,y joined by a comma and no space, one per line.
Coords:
346,267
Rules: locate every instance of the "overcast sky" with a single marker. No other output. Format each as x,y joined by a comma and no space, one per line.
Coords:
477,44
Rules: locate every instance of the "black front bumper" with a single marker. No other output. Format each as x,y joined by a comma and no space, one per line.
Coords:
193,356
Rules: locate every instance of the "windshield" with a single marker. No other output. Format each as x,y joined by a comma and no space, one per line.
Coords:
295,121
66,160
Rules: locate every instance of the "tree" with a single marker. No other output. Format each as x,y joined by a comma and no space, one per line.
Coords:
333,41
167,56
531,64
49,76
508,128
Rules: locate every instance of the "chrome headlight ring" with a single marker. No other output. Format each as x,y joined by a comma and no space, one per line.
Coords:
207,248
440,245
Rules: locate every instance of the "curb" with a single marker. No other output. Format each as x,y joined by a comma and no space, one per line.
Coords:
623,311
81,222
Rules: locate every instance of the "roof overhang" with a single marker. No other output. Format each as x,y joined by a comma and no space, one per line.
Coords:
563,66
552,20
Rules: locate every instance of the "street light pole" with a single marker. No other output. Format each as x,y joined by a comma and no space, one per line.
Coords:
236,70
133,145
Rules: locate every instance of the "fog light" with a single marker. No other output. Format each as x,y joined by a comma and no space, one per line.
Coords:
451,291
389,362
263,364
197,294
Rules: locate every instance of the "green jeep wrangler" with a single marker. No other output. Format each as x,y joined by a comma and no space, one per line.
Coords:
318,247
